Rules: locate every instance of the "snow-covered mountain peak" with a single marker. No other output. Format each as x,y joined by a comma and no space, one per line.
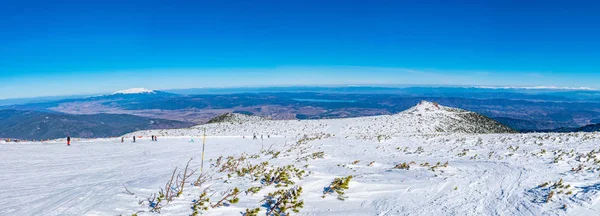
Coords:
424,118
425,107
134,91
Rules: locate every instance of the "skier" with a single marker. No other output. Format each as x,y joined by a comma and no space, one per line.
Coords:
155,138
133,138
69,140
254,136
152,137
122,139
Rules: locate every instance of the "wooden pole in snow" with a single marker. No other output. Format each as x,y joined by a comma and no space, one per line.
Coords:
203,144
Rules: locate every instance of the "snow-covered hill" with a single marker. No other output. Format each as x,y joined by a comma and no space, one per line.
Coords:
424,118
235,118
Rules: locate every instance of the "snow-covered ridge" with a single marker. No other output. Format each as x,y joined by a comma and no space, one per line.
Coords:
134,91
424,118
235,117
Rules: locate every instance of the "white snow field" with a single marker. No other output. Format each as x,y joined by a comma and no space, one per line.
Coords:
395,171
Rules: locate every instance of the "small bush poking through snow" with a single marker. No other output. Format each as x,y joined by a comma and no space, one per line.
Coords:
229,197
173,188
550,195
282,176
404,165
314,156
232,163
553,189
463,153
282,201
201,204
339,185
252,212
253,190
253,171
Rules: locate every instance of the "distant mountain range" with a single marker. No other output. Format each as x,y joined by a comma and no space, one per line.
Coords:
587,128
18,124
521,109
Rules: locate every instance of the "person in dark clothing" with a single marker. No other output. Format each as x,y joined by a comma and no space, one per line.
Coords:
69,140
122,139
133,138
152,137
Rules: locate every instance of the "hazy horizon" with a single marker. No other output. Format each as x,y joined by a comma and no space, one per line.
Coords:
252,89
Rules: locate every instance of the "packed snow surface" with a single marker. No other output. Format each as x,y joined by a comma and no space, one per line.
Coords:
393,172
134,91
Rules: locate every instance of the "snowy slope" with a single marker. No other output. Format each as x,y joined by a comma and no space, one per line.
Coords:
487,174
424,118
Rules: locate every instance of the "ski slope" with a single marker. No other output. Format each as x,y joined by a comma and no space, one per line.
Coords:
491,178
428,160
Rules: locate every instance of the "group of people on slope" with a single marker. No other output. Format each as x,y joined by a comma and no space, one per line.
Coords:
261,136
154,138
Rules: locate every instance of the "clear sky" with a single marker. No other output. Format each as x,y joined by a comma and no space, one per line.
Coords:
82,47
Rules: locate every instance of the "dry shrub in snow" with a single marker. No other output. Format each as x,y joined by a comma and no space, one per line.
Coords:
229,197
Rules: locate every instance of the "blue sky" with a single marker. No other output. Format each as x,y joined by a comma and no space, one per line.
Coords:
83,47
